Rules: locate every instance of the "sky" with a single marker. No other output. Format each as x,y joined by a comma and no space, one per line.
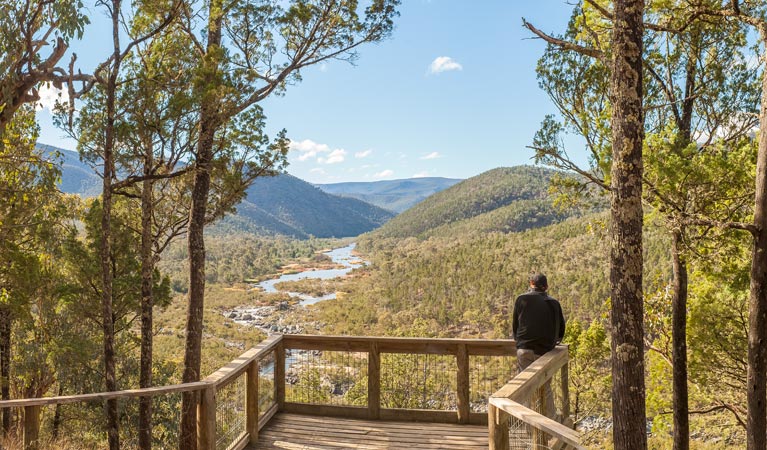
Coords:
452,93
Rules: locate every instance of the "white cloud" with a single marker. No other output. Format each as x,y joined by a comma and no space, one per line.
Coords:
432,155
384,174
336,156
420,174
49,95
308,149
363,154
318,171
444,64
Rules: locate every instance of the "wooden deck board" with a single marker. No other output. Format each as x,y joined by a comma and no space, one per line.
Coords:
298,432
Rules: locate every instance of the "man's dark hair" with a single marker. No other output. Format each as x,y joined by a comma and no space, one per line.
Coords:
539,281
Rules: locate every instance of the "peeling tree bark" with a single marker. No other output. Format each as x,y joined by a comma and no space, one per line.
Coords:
628,401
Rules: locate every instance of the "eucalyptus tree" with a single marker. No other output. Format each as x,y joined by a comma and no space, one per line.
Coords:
27,185
98,134
157,132
246,51
700,91
623,67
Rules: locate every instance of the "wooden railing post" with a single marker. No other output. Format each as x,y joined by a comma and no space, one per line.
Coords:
498,428
31,427
374,381
462,382
279,375
206,419
251,403
565,393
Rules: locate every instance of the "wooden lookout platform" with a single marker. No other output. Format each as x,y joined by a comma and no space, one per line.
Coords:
295,431
351,392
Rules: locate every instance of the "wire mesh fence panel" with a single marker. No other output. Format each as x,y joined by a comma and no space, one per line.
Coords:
558,397
525,437
230,412
326,377
417,381
487,374
266,383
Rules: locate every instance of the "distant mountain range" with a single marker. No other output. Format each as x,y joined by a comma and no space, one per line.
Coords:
274,205
503,200
394,195
287,205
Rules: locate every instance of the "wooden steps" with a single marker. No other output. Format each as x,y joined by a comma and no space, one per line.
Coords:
300,432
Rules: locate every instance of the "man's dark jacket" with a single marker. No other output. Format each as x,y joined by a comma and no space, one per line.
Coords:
538,323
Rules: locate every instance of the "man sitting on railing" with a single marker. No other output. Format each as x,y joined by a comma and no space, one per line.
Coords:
538,326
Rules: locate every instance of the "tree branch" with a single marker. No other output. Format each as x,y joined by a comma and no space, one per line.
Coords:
562,44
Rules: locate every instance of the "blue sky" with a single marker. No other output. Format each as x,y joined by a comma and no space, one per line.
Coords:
452,93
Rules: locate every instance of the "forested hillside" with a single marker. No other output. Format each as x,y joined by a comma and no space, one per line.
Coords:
467,283
394,195
516,197
286,205
280,205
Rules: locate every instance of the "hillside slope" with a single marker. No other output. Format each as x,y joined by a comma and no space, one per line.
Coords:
519,193
281,205
289,206
76,176
394,195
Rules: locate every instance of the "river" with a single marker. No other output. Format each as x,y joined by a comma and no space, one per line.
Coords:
341,256
269,318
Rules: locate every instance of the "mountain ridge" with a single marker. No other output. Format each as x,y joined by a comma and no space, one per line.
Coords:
394,195
279,205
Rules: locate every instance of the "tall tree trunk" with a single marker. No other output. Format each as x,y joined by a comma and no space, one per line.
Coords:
56,426
681,405
107,313
147,302
5,365
209,122
628,402
679,339
756,380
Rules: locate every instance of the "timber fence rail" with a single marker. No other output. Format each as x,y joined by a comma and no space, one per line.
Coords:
231,406
391,378
519,415
404,379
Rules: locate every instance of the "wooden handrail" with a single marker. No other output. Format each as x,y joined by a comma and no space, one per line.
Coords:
129,393
534,376
505,402
217,378
229,372
551,427
434,346
248,364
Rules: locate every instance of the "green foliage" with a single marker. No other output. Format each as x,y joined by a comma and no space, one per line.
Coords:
236,258
589,370
466,285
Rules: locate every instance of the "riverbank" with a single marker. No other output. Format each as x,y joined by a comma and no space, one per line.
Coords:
281,317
